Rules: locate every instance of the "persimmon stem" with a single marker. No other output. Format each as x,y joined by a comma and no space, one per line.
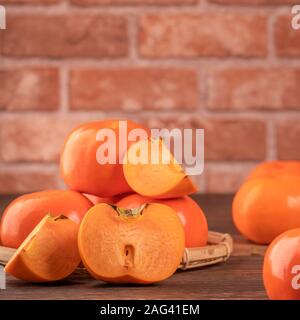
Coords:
55,218
130,212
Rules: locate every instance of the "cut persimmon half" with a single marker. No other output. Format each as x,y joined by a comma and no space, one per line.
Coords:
152,171
49,253
142,245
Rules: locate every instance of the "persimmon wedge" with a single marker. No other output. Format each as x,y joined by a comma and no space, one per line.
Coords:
49,253
151,171
142,245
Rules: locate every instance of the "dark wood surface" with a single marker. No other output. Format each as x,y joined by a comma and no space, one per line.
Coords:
238,278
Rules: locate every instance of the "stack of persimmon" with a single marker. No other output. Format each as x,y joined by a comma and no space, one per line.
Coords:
127,222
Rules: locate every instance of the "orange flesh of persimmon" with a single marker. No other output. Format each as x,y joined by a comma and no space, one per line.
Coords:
49,253
156,180
142,245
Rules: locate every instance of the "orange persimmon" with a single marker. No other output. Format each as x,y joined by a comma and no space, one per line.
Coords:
151,171
268,203
49,253
276,168
281,269
25,212
188,211
109,200
83,166
142,245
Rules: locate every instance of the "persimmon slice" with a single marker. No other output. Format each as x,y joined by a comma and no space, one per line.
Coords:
49,253
158,174
142,245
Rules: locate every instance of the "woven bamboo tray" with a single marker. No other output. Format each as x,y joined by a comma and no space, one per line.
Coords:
218,249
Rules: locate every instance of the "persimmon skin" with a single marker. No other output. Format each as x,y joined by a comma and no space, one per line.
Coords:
189,212
267,204
276,168
280,271
109,200
79,167
25,212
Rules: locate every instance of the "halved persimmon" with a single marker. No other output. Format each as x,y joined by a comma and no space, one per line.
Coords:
189,212
142,245
49,253
151,170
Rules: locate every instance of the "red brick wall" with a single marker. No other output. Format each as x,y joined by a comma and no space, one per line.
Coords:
229,66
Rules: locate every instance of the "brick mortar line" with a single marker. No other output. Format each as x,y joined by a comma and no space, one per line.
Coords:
81,63
200,4
221,115
204,3
272,57
247,7
271,40
159,9
64,94
201,90
263,114
28,165
133,40
201,181
271,146
105,9
206,79
228,164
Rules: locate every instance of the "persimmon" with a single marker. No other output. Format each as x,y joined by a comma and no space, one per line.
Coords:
276,168
25,212
281,269
110,200
188,211
151,170
142,245
49,253
83,164
268,204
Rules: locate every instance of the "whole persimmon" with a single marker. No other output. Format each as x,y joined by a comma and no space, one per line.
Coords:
85,164
268,203
281,269
189,212
24,213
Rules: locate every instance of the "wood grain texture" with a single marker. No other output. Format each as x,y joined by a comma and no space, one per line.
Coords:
238,278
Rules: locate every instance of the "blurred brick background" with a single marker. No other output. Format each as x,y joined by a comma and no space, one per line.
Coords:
229,66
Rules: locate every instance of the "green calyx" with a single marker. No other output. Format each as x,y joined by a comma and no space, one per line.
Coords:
127,213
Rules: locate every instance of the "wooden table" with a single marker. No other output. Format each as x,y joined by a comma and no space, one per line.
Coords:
238,278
